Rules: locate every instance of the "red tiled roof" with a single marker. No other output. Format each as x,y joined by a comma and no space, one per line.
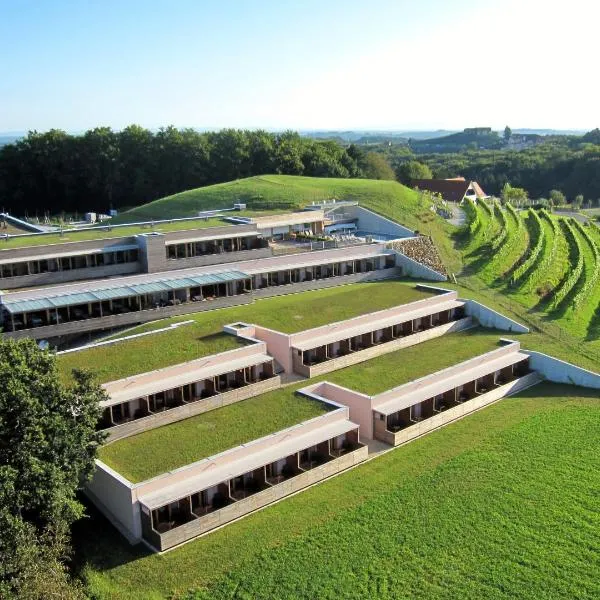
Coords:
453,189
450,189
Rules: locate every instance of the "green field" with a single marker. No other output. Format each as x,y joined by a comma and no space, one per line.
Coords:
500,504
106,232
153,452
157,451
284,313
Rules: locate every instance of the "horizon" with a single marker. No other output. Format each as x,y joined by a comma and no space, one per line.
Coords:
343,66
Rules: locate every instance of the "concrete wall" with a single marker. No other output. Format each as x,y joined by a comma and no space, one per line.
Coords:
370,221
152,250
559,371
492,319
384,348
278,346
359,405
415,269
193,408
114,496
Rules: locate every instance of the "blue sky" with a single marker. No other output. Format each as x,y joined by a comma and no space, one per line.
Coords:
328,64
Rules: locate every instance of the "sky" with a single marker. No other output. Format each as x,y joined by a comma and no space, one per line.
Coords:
304,64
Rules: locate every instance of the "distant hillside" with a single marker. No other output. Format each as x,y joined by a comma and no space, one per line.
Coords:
288,192
474,137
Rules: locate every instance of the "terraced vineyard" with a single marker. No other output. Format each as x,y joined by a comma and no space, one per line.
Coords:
548,263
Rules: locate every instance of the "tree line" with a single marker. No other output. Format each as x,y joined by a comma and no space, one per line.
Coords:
567,164
47,173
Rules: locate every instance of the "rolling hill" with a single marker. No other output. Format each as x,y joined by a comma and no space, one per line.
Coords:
289,192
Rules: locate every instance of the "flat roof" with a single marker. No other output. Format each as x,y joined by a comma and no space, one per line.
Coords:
168,378
344,329
57,254
113,293
207,237
109,231
457,375
215,474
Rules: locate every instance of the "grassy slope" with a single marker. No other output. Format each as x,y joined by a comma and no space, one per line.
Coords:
158,450
384,197
284,313
472,510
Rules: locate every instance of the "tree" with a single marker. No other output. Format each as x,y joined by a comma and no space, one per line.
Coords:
48,442
507,133
375,166
578,202
412,169
557,198
516,196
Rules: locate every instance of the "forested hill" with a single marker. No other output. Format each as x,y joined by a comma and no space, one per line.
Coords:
101,169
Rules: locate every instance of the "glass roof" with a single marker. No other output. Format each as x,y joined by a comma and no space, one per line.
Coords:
137,289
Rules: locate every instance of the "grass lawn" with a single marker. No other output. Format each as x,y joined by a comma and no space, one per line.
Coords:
153,452
289,314
500,504
106,232
146,353
157,451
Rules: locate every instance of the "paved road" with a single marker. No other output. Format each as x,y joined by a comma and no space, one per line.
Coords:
570,213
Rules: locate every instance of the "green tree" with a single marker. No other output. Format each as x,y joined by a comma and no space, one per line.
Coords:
412,169
375,166
557,198
507,133
516,196
48,442
578,201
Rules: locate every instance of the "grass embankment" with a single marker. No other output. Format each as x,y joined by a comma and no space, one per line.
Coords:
475,509
289,314
289,192
160,450
153,452
106,232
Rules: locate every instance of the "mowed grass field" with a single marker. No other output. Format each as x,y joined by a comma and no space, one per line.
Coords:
502,504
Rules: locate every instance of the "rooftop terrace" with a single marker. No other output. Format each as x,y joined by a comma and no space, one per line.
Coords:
153,452
289,314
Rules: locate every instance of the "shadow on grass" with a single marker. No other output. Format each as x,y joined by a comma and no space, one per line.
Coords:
98,544
593,330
